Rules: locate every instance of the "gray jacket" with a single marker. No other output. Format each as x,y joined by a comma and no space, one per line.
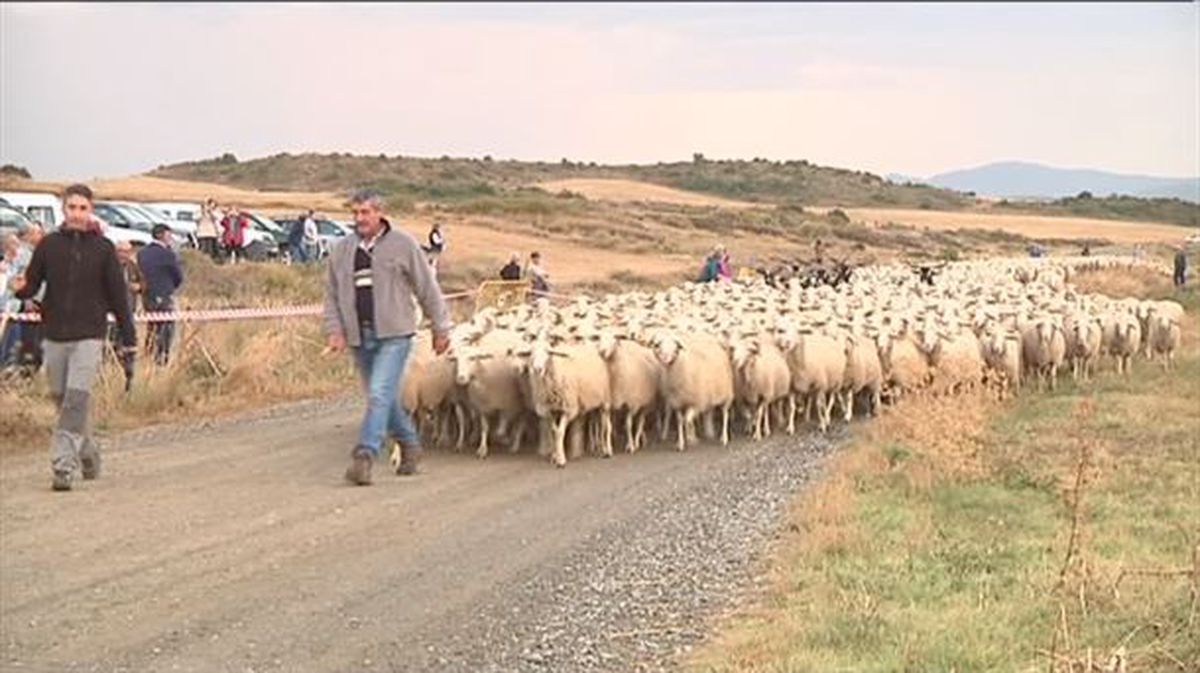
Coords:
399,272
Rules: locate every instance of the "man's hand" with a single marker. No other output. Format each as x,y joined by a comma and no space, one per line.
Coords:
441,343
17,283
337,343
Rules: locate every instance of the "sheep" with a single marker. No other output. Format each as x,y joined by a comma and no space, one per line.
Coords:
566,383
1002,355
1083,339
1044,348
817,364
491,383
905,367
1164,338
1125,339
697,377
956,359
634,376
864,371
762,378
429,386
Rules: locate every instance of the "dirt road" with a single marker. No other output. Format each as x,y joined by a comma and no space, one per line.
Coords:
240,549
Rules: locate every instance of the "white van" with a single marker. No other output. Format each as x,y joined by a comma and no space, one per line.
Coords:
39,206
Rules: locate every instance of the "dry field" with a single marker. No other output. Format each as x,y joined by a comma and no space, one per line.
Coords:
151,189
1033,226
632,191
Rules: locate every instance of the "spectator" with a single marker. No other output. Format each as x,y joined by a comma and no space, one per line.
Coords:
712,266
537,275
82,276
12,265
296,241
371,282
1181,265
437,241
30,355
160,267
1087,250
132,274
512,270
310,239
206,228
233,235
724,266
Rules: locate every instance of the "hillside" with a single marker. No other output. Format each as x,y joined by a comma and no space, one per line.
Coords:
449,179
1019,179
1170,211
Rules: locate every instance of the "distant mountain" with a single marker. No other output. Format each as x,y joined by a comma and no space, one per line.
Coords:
1016,179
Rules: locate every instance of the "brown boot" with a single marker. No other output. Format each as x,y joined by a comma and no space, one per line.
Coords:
359,472
409,456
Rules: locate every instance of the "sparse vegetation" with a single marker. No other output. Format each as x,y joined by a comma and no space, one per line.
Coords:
14,171
1113,207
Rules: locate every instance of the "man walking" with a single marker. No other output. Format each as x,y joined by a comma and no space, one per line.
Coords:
1181,264
163,276
371,281
79,268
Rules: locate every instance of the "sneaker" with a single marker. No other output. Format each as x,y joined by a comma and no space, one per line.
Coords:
359,472
89,460
62,481
409,456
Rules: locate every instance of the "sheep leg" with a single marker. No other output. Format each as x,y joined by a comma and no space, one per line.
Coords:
606,422
484,427
848,403
630,437
791,425
461,415
767,419
518,435
680,419
559,455
725,410
641,430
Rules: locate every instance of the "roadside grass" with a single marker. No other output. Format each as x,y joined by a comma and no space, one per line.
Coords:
949,536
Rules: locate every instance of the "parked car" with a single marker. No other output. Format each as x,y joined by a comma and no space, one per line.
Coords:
122,224
13,221
181,217
328,233
39,206
178,239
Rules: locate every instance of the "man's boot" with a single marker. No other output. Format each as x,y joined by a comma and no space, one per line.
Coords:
359,472
410,454
62,480
89,459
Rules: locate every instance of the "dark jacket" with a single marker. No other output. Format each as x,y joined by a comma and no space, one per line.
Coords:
511,271
84,282
160,268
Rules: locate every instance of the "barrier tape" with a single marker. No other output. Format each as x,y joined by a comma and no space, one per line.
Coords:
217,315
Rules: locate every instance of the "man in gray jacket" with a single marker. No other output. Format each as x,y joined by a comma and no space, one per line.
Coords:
371,281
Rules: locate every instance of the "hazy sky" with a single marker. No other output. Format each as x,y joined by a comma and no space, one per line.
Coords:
104,90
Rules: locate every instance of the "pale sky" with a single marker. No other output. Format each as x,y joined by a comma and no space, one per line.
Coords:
104,90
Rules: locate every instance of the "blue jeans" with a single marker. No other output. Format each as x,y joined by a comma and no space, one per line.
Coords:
381,366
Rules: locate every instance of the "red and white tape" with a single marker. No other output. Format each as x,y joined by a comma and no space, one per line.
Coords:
217,315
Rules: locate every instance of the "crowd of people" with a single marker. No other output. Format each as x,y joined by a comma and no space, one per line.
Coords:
221,231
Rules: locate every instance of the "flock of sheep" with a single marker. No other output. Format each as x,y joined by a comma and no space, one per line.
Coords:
602,371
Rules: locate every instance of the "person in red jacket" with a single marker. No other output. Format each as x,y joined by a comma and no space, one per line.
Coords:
233,232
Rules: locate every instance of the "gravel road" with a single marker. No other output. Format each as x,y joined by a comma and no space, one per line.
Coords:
238,548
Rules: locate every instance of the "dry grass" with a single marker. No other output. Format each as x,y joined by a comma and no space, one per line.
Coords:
971,535
1032,226
632,191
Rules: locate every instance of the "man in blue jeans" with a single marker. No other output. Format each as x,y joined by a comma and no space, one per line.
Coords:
370,283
